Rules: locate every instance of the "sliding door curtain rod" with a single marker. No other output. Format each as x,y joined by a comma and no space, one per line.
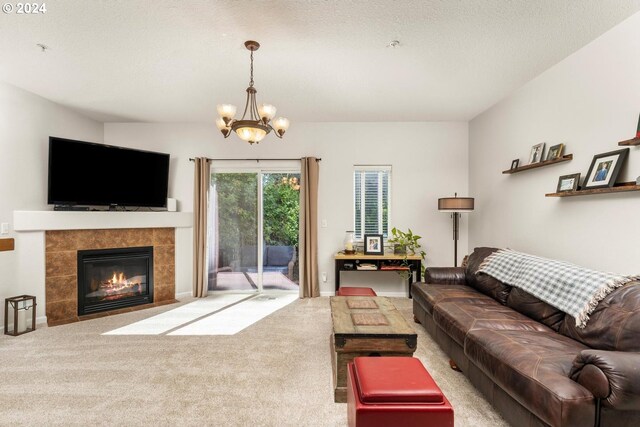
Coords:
256,160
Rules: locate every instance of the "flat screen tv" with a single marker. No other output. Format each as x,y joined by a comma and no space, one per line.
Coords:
85,173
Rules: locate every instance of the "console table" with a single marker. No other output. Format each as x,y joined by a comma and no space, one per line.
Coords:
351,262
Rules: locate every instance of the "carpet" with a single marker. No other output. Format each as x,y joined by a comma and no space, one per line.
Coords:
276,372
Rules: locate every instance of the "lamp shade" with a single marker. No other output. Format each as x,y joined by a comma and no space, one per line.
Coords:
455,204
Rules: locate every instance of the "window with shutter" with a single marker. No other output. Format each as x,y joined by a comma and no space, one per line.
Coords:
371,188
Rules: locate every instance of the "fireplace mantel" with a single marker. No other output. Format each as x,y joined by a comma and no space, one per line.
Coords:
63,220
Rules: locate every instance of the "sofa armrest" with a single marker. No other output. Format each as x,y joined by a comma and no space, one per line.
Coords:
613,376
445,275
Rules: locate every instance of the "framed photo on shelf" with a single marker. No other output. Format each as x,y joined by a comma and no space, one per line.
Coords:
514,164
605,168
537,151
555,152
373,244
568,183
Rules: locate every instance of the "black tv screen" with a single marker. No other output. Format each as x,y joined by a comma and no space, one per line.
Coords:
85,173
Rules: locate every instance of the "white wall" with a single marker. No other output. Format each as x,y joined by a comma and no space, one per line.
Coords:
589,101
26,122
429,161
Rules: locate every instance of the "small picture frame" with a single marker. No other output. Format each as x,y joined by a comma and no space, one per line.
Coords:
568,183
514,164
555,152
373,244
605,168
537,151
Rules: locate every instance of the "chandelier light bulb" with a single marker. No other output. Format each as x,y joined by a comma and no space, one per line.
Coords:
227,111
267,112
281,125
251,134
220,124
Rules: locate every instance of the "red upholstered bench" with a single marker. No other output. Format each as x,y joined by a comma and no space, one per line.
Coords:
352,292
394,391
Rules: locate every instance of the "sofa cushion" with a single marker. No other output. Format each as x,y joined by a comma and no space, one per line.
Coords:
482,282
279,255
458,317
613,325
428,295
536,309
533,367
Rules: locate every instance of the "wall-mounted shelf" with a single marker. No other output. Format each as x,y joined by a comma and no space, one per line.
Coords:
7,245
634,141
564,158
619,188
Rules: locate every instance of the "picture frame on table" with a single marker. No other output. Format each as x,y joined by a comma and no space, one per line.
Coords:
537,153
568,183
555,152
605,168
373,244
514,164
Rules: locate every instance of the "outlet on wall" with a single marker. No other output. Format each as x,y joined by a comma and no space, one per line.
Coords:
4,228
323,223
324,276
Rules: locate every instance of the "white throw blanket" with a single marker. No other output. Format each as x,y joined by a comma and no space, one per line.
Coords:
572,289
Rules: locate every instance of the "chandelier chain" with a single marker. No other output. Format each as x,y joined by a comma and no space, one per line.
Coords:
251,80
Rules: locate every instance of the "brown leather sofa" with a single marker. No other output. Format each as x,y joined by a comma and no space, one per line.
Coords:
527,357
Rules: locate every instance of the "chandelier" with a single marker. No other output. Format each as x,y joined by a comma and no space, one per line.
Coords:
256,121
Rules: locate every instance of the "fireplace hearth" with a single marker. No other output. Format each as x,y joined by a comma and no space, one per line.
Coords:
110,279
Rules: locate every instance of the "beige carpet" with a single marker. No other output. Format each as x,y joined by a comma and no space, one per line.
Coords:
277,372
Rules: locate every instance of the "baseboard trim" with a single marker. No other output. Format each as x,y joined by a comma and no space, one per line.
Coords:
40,321
183,295
380,294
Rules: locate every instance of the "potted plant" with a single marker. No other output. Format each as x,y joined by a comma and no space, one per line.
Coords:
406,243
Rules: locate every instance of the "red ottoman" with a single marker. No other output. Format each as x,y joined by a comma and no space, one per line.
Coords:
353,292
394,391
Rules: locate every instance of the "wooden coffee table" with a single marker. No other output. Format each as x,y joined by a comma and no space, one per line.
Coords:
365,326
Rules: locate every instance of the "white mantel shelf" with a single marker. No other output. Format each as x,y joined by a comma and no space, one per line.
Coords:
63,220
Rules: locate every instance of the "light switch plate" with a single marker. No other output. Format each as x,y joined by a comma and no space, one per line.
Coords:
4,228
324,223
324,277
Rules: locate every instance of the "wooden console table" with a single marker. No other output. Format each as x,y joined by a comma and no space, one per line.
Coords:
351,262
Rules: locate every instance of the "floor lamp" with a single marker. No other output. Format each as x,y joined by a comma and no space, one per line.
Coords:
455,205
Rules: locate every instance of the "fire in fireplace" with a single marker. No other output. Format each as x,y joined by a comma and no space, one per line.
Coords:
114,278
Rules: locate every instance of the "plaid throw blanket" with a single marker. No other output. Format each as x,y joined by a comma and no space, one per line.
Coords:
572,289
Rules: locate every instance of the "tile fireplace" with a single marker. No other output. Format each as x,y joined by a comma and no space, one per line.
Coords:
143,280
114,278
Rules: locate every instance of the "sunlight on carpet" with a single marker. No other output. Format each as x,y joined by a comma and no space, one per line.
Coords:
238,317
182,315
220,314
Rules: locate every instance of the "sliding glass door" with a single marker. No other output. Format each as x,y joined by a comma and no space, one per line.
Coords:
253,230
233,231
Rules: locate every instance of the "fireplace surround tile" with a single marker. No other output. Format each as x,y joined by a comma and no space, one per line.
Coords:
62,311
164,255
62,240
164,236
61,288
164,275
57,288
164,293
60,263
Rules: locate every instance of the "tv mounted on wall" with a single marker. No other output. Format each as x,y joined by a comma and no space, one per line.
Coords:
85,173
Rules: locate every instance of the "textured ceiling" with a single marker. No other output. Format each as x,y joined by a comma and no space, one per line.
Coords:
320,60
